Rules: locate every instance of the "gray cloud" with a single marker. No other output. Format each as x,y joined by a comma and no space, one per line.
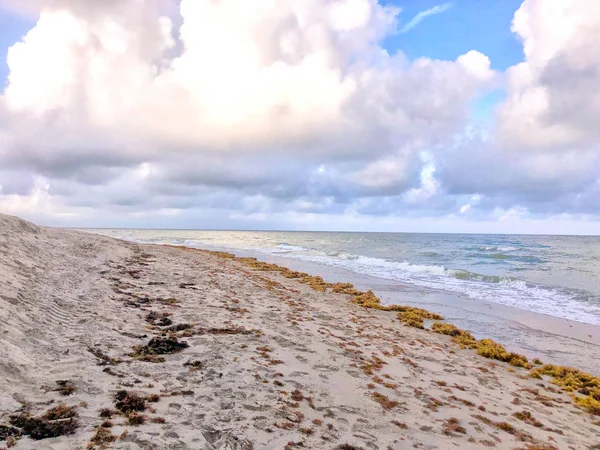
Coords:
142,118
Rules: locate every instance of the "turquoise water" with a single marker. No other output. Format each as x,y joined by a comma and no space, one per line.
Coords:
553,275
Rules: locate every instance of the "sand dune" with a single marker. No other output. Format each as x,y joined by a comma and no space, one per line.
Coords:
253,360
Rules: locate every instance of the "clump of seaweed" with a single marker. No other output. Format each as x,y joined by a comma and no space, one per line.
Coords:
384,401
228,330
452,426
136,419
179,327
345,288
400,425
193,365
159,319
576,382
6,432
490,349
58,421
415,317
505,426
408,315
102,438
461,337
64,387
105,360
297,395
128,402
108,413
367,300
159,346
445,328
528,418
485,347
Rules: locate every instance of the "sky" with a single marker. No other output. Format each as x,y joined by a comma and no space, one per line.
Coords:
356,115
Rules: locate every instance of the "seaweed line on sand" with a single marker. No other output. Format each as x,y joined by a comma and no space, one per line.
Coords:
583,387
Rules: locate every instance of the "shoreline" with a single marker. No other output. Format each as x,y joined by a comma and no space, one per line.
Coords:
534,334
148,346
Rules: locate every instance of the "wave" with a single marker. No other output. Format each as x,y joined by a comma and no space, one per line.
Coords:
509,291
494,248
291,248
507,249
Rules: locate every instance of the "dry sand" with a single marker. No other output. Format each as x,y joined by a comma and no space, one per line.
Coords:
271,363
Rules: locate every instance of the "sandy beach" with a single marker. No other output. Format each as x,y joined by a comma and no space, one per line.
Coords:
110,344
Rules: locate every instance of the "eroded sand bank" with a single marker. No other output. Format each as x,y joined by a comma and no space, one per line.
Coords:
265,362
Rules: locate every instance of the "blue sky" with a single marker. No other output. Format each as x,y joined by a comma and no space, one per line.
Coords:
482,25
12,28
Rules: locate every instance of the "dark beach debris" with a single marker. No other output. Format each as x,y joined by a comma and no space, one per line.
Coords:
113,373
159,319
131,335
108,413
181,393
452,426
136,419
134,274
65,387
6,432
168,301
229,330
194,365
164,322
160,346
149,358
105,360
58,421
528,418
102,438
138,301
180,327
127,402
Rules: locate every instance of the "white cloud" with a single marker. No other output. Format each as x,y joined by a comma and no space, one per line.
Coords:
280,108
232,99
424,14
543,152
553,100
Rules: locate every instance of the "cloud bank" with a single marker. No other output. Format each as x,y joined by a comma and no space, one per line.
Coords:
286,113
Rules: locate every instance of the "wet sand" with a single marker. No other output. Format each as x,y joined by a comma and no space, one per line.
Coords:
552,339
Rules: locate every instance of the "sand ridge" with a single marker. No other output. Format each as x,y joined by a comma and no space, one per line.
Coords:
269,363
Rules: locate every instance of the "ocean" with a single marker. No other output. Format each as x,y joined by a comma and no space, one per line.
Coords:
557,276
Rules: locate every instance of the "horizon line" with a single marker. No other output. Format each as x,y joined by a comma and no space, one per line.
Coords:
326,231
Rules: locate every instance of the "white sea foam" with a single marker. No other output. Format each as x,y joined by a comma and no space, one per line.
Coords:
554,301
494,248
289,248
